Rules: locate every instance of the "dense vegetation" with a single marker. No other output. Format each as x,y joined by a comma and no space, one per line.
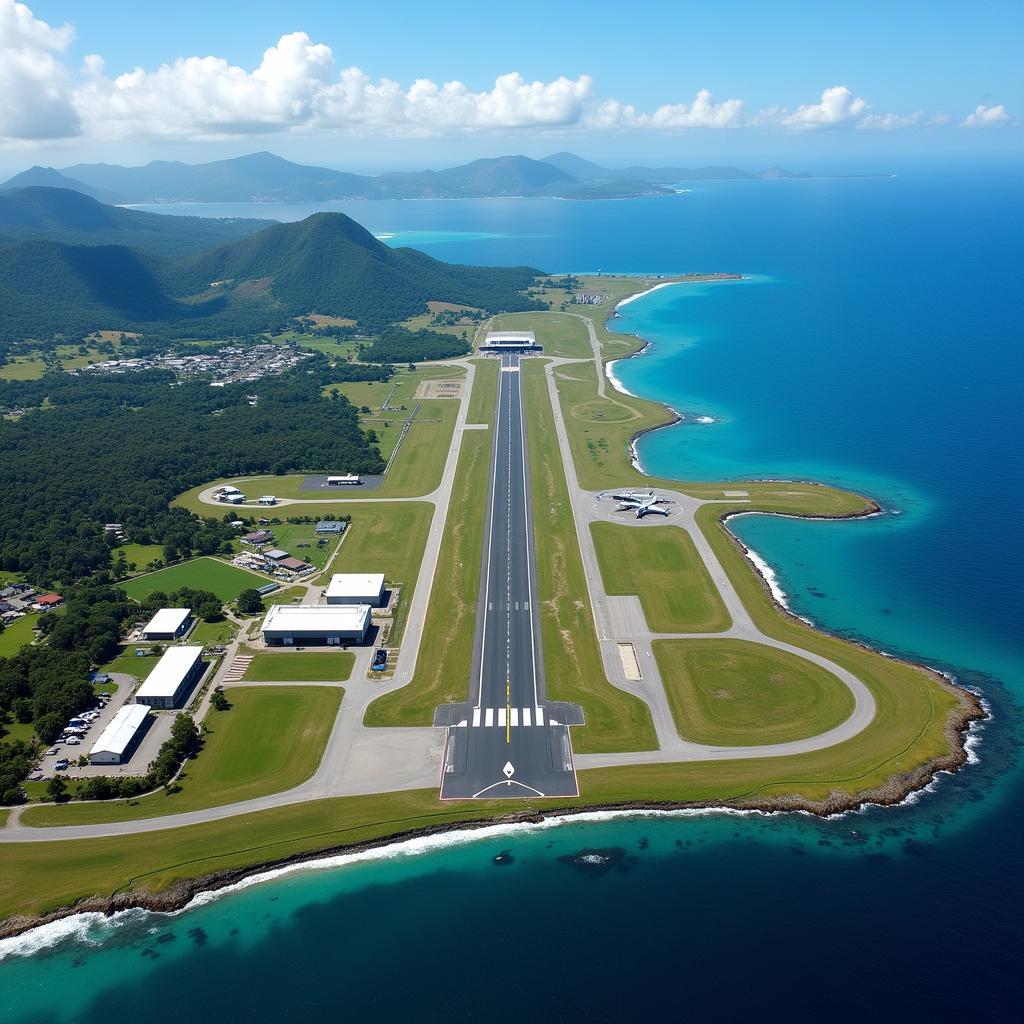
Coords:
118,449
326,264
399,346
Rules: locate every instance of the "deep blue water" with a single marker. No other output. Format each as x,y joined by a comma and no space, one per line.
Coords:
876,345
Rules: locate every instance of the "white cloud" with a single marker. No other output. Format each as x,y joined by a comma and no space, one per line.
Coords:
297,87
986,117
34,100
838,108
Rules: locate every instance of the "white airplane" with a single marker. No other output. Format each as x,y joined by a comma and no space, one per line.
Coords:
631,495
644,504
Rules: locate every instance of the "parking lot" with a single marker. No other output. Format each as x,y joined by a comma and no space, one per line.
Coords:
158,732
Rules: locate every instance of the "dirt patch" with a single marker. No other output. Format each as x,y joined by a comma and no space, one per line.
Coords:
439,389
250,289
451,307
319,320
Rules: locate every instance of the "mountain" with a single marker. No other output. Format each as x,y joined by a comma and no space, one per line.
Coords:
325,264
264,177
258,177
74,218
49,177
587,171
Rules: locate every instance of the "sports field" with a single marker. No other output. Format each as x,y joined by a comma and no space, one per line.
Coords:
300,666
226,581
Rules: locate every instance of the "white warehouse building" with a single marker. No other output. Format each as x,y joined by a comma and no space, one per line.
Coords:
332,626
168,624
175,674
356,588
118,741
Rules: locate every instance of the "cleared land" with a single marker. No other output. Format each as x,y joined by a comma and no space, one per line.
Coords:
572,660
661,565
226,581
300,666
733,692
271,738
17,634
140,554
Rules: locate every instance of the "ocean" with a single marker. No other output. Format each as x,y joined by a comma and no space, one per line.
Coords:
875,344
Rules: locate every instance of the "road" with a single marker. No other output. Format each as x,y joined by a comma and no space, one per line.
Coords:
508,740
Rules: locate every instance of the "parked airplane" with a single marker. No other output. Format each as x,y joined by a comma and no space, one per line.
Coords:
644,504
632,495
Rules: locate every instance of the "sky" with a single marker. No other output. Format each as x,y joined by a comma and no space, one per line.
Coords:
375,86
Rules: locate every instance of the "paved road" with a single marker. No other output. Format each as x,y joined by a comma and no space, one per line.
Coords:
507,740
359,760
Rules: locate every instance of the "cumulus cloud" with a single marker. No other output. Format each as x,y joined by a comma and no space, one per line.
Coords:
986,117
34,99
298,87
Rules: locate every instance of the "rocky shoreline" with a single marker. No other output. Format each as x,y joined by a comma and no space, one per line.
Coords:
895,791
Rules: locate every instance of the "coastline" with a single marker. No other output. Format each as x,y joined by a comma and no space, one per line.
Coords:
898,789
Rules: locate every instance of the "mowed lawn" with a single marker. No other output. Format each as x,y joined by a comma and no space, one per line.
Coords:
660,564
300,666
226,581
734,692
270,739
16,635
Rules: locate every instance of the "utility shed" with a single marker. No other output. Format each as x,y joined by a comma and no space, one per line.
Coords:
168,624
286,625
173,677
356,588
118,741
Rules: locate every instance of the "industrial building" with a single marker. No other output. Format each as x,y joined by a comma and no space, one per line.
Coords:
275,553
294,564
356,588
168,624
330,526
510,341
174,676
286,625
118,741
268,499
348,480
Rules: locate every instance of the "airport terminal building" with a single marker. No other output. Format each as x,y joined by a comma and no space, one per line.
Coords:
173,678
510,341
332,626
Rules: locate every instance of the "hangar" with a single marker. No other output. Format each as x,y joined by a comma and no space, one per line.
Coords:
286,625
118,741
173,677
168,624
356,588
510,341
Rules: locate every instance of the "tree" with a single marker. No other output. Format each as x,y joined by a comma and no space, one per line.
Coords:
249,602
57,788
219,701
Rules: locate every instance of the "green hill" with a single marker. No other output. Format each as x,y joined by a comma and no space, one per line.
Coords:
68,216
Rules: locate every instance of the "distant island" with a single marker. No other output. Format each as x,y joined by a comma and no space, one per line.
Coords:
264,177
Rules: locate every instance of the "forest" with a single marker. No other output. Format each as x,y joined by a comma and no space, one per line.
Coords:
396,345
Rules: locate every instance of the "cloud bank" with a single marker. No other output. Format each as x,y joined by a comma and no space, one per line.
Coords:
298,87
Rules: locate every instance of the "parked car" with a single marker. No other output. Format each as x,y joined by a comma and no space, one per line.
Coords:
61,765
105,695
72,741
380,660
35,777
52,751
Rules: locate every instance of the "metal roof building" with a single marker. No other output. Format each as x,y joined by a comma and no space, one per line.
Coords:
509,341
332,626
173,676
121,736
168,624
356,588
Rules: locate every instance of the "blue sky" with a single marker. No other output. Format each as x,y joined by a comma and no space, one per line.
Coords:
866,85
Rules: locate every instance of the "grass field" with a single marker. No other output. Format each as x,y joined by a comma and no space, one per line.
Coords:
131,665
289,537
17,634
271,739
485,388
388,539
140,554
208,633
300,666
226,581
446,647
572,660
561,334
661,565
736,693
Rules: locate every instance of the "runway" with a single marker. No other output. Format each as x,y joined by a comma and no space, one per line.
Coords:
508,740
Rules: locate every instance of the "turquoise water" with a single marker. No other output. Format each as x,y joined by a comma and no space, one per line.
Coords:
875,346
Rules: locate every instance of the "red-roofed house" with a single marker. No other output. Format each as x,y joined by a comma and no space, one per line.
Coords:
294,564
47,601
